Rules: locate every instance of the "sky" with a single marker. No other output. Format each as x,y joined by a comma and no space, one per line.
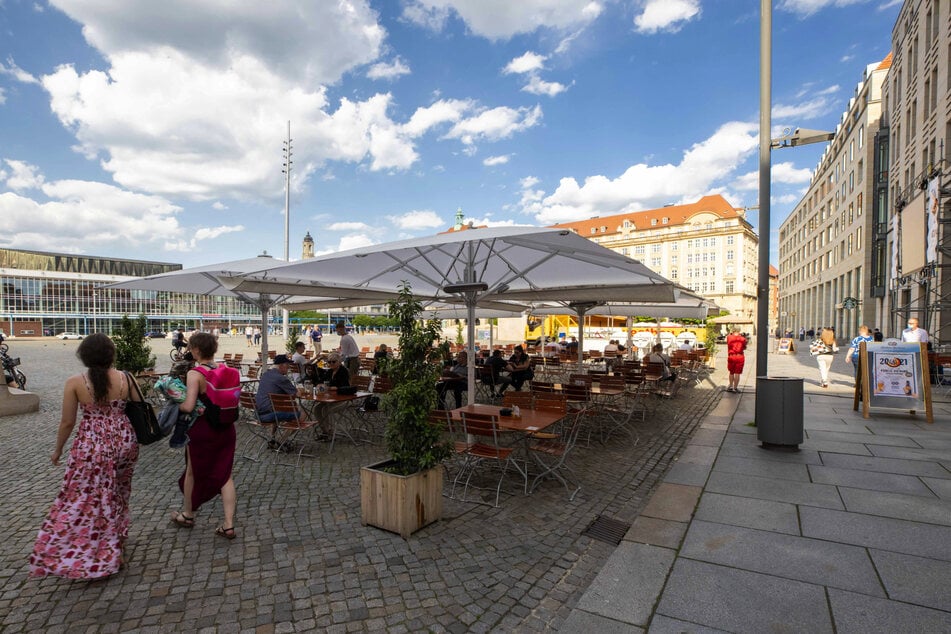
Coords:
156,130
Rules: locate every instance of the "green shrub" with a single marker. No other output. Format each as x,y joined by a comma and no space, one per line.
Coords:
133,354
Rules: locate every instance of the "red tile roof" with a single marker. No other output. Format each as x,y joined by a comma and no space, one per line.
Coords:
675,214
886,63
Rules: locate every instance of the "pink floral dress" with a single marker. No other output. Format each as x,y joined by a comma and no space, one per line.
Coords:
83,535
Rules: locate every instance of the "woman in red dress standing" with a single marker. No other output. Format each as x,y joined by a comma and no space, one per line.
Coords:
209,455
735,345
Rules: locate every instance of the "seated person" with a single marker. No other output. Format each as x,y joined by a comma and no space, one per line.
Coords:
657,356
300,360
686,346
519,368
552,349
454,378
336,373
610,350
497,364
572,346
274,381
379,354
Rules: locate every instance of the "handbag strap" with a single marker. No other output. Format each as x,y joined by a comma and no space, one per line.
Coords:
130,383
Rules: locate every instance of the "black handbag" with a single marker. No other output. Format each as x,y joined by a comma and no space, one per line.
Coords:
142,416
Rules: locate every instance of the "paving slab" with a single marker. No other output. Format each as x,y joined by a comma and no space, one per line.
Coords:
762,466
581,622
898,505
674,502
788,556
767,515
698,454
707,437
852,448
656,532
751,448
915,579
687,473
939,486
741,601
861,614
883,533
859,437
661,624
908,453
774,489
892,482
886,465
628,585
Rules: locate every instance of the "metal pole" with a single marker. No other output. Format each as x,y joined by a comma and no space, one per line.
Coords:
765,101
287,217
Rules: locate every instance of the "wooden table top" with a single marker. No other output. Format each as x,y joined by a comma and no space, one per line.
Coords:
331,397
530,420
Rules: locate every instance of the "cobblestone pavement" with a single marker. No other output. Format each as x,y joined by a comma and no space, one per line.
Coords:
302,560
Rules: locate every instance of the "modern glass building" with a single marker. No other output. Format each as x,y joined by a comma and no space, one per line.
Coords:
49,293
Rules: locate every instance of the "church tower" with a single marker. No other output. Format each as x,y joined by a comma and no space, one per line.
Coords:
459,218
308,250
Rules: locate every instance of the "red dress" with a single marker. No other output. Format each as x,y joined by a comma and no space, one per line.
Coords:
88,523
735,345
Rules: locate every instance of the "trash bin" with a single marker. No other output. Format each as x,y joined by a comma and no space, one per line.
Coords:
779,411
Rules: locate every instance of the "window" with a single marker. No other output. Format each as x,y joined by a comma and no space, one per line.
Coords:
673,274
653,222
593,231
705,257
729,254
861,137
640,250
664,220
858,238
706,242
673,259
729,240
704,287
673,246
603,228
655,248
713,256
655,263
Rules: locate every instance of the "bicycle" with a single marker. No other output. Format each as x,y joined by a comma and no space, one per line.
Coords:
10,371
177,353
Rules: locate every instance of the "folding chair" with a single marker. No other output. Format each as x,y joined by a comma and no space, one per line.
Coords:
485,453
452,432
263,432
551,456
522,399
287,431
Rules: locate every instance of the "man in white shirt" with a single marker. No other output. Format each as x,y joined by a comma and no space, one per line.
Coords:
913,333
348,349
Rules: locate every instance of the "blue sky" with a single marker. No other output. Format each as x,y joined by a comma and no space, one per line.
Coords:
154,130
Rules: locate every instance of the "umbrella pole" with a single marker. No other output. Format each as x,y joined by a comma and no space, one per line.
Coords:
581,312
264,312
470,333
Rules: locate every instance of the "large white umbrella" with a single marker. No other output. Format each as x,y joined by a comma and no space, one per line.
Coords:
517,264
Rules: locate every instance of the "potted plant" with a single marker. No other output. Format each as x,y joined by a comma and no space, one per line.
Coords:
404,493
132,353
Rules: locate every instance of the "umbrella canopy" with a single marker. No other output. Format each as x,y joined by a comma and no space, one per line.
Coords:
518,264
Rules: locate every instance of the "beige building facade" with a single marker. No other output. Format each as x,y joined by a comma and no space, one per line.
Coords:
916,102
707,246
825,243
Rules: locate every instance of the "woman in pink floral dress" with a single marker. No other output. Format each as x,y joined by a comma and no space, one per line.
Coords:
83,536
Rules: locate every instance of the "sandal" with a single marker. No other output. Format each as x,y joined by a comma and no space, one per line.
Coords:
182,520
227,533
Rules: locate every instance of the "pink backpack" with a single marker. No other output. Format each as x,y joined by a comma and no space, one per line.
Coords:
222,395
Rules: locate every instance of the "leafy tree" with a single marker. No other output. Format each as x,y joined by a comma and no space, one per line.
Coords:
133,354
414,444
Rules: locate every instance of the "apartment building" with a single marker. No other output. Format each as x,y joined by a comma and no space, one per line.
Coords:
707,246
910,225
825,244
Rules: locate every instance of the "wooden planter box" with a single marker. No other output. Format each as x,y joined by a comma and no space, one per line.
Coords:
400,504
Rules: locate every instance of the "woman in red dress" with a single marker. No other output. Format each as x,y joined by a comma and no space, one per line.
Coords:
735,345
209,454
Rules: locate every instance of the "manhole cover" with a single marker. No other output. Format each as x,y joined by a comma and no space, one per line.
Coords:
607,529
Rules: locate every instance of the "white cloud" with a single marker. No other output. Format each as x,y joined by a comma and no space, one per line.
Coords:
219,206
442,111
704,166
348,226
12,70
22,176
890,4
3,96
496,160
494,124
310,42
806,8
846,58
501,19
421,219
811,104
489,222
784,199
526,63
538,86
394,69
666,15
355,241
785,173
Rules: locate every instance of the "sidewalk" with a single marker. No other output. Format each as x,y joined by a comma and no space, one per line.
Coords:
850,534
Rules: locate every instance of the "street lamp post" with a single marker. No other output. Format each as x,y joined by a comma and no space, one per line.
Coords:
800,136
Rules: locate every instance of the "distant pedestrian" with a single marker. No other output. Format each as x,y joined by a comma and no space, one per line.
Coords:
316,337
802,333
735,359
913,333
823,349
852,355
257,337
249,335
877,335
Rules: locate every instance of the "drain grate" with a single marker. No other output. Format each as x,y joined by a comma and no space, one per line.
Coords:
607,529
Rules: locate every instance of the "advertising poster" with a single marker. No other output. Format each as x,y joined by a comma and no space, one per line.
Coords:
895,375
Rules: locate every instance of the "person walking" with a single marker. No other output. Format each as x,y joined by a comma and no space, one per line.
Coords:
209,455
824,349
913,333
88,524
735,358
852,355
348,349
